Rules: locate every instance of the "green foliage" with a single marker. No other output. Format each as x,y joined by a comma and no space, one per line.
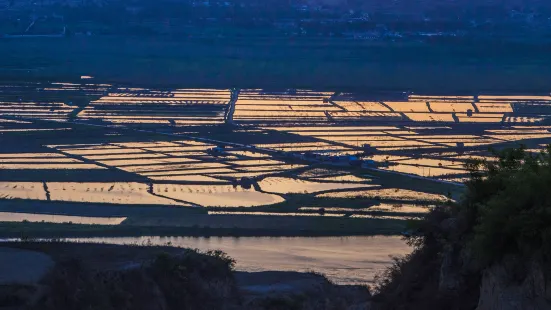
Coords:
411,282
183,279
506,210
386,280
508,204
190,280
226,260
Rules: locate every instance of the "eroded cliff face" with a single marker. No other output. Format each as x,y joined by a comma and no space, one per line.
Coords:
453,278
500,290
514,283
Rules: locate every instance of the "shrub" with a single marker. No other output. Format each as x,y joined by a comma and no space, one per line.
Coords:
188,281
506,210
508,203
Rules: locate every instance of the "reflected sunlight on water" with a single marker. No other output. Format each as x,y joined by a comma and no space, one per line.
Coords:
51,218
345,260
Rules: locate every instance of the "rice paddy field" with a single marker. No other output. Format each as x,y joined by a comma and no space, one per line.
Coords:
252,159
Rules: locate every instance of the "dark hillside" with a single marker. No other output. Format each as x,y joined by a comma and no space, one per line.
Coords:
105,277
492,251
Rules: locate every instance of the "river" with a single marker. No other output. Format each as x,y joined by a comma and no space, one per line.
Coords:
344,260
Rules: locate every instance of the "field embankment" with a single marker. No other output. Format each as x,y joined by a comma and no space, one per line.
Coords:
218,225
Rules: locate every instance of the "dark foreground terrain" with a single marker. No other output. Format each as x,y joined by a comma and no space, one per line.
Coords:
492,251
98,276
489,251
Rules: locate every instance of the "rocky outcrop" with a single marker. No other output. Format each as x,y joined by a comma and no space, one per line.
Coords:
459,280
511,284
450,278
499,289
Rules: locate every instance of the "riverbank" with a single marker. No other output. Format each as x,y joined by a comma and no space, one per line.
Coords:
343,260
138,277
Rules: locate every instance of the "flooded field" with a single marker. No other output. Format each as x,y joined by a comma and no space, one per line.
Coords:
346,260
217,195
389,193
30,217
290,186
241,155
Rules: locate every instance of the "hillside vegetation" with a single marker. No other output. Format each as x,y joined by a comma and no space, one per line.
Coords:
491,251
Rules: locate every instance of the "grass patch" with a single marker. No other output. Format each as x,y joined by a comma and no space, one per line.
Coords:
319,227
